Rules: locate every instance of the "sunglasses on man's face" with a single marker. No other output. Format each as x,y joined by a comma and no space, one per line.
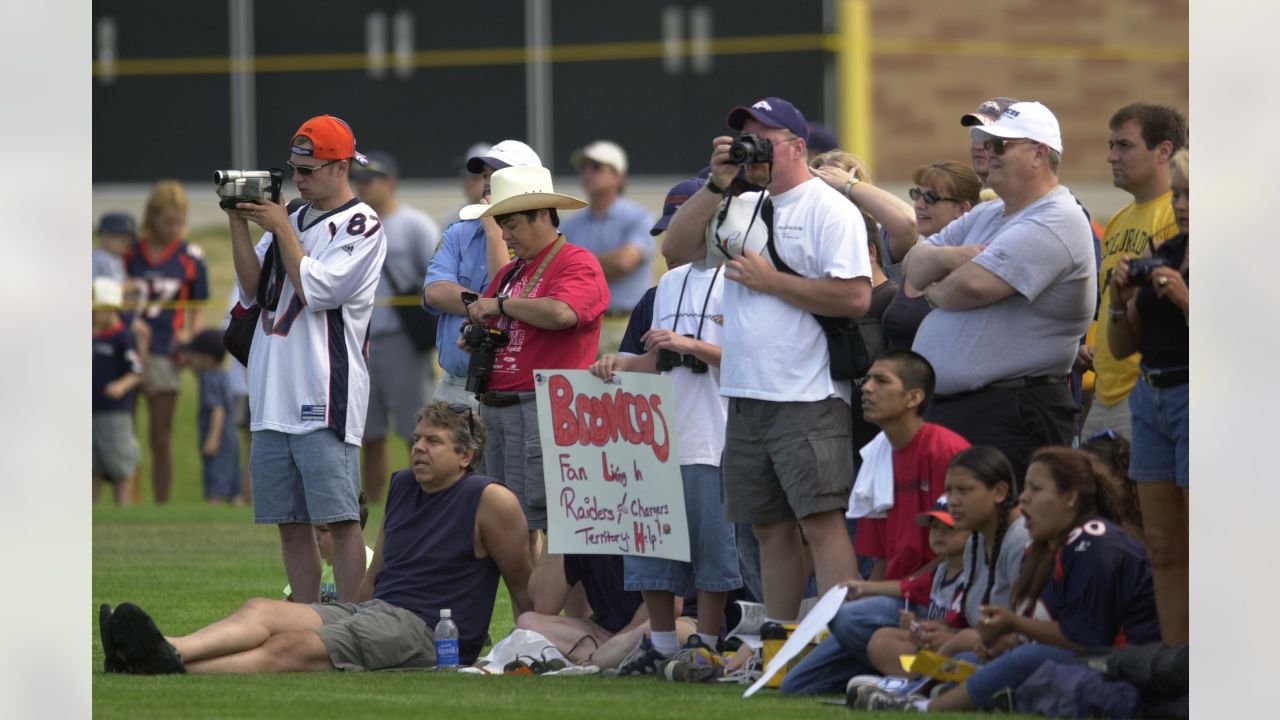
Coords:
305,170
930,197
997,146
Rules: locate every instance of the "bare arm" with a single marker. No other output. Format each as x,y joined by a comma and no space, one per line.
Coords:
607,365
545,312
505,537
243,254
685,240
620,262
926,264
213,441
1124,332
894,214
968,286
375,565
446,296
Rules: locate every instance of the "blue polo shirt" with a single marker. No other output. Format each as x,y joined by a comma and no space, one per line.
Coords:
624,223
461,258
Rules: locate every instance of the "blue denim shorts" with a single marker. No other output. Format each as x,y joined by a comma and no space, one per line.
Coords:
312,478
1161,433
713,548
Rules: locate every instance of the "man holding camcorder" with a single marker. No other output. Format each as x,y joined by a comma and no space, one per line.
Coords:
542,310
308,379
788,463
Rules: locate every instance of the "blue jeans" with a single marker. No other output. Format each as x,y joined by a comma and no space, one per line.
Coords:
1009,670
828,667
1161,434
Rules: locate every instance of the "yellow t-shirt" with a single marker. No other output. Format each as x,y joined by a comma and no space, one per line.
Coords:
1126,234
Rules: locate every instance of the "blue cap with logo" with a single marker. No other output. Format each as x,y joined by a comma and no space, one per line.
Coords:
676,196
119,223
771,112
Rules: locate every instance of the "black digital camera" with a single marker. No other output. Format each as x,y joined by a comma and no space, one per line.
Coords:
237,186
1140,270
670,359
750,148
484,342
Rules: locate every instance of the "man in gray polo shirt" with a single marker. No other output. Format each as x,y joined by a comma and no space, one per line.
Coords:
1012,287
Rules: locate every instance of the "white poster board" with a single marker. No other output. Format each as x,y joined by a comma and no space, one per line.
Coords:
611,464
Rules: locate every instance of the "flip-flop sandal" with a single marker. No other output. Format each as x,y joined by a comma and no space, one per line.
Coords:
144,647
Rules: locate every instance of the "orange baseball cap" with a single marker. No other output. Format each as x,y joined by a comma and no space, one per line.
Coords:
331,139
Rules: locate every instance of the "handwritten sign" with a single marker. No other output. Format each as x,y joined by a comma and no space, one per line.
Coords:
611,464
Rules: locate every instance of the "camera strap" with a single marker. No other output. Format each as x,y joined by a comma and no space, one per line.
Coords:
537,273
702,317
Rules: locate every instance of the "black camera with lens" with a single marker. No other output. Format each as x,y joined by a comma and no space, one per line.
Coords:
670,360
237,186
1140,270
750,148
484,343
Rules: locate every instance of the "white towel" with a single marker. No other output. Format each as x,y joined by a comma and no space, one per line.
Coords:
872,494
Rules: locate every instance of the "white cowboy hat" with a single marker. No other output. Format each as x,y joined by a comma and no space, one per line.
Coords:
516,189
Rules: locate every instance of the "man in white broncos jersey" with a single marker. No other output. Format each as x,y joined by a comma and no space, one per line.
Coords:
308,372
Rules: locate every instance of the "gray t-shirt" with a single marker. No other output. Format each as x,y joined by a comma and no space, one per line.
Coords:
1008,564
1045,252
411,241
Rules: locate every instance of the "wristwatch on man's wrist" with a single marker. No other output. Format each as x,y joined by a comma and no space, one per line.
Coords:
712,187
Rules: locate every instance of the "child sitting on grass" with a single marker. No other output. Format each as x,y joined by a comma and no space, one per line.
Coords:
219,446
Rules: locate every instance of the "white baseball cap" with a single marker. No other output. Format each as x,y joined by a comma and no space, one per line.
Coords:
603,152
508,153
1023,120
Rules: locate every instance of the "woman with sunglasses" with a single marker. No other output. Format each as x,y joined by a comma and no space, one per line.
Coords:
943,192
1149,313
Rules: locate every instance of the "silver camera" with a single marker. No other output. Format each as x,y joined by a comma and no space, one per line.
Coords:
237,186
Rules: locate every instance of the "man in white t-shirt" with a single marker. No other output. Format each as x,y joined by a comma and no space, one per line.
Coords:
788,461
308,378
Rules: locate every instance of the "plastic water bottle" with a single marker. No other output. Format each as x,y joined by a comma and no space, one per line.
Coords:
446,641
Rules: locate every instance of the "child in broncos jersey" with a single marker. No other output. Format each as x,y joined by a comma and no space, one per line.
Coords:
117,371
1084,584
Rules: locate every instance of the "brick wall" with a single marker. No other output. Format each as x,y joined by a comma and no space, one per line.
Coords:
934,60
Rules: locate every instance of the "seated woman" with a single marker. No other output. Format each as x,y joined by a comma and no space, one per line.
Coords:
1084,584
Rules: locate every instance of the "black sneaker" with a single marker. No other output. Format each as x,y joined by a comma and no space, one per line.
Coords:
145,650
644,660
112,662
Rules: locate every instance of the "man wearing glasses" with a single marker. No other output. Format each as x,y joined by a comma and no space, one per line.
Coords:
1012,286
308,378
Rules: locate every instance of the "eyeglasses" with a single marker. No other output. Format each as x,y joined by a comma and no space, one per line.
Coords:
305,170
930,197
997,146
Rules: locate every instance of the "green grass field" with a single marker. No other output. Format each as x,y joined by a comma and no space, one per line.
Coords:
189,564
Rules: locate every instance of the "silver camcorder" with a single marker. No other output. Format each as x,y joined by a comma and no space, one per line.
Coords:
237,186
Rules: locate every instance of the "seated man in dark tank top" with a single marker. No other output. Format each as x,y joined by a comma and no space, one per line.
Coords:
448,534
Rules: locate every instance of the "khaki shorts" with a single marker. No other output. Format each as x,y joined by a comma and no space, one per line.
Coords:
375,635
161,375
115,447
785,460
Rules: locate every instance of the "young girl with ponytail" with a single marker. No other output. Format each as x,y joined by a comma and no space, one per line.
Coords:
1085,583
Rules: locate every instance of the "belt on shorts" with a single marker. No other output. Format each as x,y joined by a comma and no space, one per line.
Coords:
1017,383
496,400
1157,379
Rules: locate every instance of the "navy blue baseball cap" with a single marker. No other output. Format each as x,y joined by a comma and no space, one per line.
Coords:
771,112
381,163
939,511
119,223
821,139
676,196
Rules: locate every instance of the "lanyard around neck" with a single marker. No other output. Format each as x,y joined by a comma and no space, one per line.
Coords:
702,317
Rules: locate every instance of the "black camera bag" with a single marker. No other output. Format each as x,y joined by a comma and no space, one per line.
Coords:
238,337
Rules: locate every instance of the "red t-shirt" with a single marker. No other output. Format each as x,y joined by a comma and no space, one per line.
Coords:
919,478
573,277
